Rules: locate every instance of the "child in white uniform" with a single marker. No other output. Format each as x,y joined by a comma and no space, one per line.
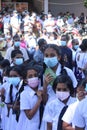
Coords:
80,116
68,122
14,79
81,57
52,59
30,101
63,89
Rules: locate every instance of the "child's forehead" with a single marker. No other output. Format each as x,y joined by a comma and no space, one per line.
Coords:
31,71
61,85
50,50
19,54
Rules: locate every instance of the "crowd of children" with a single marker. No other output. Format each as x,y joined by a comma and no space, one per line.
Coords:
43,73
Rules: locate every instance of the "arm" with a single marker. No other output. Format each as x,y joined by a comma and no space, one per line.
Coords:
67,126
31,112
77,128
47,79
16,105
49,126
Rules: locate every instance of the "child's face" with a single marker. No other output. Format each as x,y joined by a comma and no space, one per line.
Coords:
81,88
18,59
62,87
50,52
31,74
32,79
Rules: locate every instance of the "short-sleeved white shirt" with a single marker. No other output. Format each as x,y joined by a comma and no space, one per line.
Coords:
28,100
81,59
80,116
69,114
69,72
53,110
14,92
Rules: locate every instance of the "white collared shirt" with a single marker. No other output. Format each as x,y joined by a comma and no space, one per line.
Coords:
28,100
53,110
80,116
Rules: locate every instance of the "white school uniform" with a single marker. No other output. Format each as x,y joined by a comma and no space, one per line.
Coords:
4,117
69,72
81,59
69,114
28,100
12,123
80,116
53,110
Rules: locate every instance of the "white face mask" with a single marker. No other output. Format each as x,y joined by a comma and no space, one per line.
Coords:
62,95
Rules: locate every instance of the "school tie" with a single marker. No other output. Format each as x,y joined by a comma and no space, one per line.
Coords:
59,126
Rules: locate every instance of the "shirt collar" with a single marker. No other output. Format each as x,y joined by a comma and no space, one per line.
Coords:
30,90
58,69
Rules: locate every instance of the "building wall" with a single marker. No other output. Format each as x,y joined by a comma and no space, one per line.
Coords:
38,4
56,6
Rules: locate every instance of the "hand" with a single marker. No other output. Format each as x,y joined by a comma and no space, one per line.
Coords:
39,94
81,95
48,78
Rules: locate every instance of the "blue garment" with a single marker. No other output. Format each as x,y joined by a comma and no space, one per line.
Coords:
38,56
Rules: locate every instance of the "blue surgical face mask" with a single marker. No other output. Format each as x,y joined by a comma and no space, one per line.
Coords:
19,61
86,87
17,44
63,43
14,80
51,62
76,47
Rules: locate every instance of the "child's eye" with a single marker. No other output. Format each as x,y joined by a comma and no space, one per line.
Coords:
61,89
31,76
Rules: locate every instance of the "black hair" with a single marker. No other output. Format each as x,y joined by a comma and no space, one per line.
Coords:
66,80
10,94
6,70
16,37
41,42
83,45
82,83
65,37
74,41
1,57
31,65
5,63
15,52
17,99
55,47
18,69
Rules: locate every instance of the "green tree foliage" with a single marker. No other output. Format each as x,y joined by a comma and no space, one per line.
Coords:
85,3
